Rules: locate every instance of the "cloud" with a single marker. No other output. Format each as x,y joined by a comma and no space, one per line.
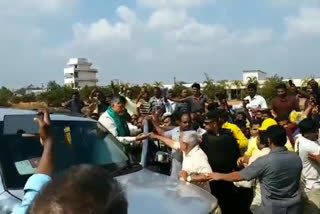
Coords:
173,3
34,7
165,41
168,42
293,3
100,31
306,23
23,39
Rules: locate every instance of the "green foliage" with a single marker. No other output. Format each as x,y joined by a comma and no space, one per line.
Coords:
253,80
56,96
5,96
85,92
268,91
158,84
211,89
52,85
28,98
177,88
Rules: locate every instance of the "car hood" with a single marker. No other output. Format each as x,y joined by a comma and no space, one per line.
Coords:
150,192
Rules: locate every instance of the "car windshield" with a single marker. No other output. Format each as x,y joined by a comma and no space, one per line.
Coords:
77,142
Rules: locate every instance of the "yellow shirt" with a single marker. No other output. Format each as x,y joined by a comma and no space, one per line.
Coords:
237,133
253,149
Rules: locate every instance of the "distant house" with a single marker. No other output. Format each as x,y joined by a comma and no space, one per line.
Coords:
78,73
35,91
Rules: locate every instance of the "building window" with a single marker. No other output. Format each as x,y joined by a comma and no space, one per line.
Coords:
76,74
76,84
76,66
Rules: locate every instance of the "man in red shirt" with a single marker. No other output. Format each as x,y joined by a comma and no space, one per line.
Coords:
284,104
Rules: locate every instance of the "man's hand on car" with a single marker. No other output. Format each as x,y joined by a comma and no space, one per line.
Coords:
183,175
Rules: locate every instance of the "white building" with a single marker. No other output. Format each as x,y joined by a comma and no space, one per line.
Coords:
79,73
253,74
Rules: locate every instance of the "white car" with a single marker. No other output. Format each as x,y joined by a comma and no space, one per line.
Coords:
79,140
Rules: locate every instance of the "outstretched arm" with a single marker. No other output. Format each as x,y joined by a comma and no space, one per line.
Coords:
231,177
170,143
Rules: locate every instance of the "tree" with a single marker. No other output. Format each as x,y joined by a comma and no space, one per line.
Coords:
56,96
211,89
52,85
252,80
268,91
237,83
5,96
85,92
158,84
177,88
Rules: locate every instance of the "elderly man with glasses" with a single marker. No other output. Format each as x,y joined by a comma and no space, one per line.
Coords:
195,165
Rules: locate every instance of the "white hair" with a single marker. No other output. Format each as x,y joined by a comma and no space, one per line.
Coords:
191,138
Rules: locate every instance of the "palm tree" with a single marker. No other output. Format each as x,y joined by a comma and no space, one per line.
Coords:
252,80
158,84
305,82
237,83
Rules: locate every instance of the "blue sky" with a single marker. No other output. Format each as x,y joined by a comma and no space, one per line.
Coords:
155,40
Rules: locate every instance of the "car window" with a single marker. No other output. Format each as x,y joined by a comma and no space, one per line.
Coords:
1,127
76,143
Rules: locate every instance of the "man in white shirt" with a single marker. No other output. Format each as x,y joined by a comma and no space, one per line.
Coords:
308,144
253,101
195,165
113,121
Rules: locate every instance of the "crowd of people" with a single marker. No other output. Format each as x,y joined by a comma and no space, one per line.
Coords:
252,157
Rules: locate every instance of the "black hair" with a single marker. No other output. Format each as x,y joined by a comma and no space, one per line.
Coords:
281,86
241,124
256,122
181,114
277,135
263,138
212,106
252,86
308,126
80,190
243,114
282,117
157,88
267,111
118,100
213,115
76,93
223,115
196,85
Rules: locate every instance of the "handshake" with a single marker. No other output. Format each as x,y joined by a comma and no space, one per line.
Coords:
144,136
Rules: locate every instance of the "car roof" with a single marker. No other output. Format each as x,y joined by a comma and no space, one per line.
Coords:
54,117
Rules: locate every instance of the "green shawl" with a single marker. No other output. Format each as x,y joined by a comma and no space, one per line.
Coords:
122,126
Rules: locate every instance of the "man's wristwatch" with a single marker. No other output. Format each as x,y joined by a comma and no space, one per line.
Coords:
189,179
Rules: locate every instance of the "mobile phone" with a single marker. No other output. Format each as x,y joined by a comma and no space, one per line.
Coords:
21,124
